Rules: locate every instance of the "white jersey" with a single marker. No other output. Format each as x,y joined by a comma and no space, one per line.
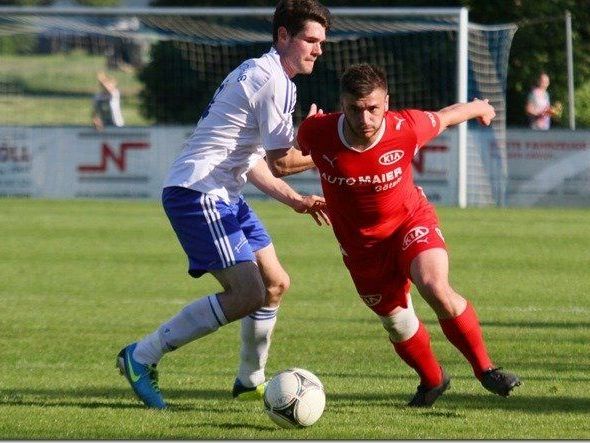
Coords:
250,113
108,106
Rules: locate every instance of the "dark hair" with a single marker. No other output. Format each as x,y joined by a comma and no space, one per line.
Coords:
292,14
361,79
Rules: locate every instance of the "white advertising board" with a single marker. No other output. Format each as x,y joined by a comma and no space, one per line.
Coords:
544,167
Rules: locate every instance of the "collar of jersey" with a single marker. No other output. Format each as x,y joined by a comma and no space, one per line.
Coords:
274,55
346,144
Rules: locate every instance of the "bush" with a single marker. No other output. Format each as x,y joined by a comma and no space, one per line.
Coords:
17,44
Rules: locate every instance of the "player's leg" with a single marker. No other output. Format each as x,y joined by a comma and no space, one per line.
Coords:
385,292
257,328
457,317
210,235
411,342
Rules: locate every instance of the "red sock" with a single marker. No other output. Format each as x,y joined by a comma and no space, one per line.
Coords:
465,333
417,353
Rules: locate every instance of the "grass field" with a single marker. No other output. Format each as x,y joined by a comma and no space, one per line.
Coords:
57,89
79,279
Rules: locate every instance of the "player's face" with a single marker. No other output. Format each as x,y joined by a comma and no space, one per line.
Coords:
300,51
364,115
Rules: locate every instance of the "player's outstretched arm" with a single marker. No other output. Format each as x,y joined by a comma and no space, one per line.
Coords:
261,177
283,162
461,112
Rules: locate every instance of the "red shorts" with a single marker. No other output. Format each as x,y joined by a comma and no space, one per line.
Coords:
381,273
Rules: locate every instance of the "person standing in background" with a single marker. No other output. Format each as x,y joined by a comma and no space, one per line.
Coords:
106,105
538,107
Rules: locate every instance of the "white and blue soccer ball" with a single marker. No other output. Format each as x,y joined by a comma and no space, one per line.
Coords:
294,398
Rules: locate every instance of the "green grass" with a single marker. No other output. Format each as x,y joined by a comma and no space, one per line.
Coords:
79,279
57,89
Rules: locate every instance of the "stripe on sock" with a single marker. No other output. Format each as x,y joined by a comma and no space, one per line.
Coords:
264,314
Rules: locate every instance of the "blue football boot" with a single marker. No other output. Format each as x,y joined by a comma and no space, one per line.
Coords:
143,378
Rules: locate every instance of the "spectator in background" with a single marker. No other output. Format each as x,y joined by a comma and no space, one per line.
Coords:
538,107
106,106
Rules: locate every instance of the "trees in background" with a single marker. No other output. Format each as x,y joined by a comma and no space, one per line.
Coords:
538,45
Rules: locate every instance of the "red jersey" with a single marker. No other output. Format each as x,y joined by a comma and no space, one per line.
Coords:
368,193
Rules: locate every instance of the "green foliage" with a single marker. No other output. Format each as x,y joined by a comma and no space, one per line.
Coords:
582,99
177,85
540,45
80,279
17,44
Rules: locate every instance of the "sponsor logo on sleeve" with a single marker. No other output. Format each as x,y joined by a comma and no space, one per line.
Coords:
416,234
431,117
399,120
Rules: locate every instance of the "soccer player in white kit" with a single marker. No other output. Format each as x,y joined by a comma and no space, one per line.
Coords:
245,133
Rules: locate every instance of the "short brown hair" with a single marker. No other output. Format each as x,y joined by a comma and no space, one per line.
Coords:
292,14
361,79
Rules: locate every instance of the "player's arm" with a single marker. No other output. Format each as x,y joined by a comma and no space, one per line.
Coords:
461,112
284,162
106,82
261,177
289,161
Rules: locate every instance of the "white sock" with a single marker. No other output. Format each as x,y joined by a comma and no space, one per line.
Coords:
256,331
200,318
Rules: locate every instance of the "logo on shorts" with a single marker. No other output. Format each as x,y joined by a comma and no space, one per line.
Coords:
439,232
391,157
371,300
239,246
416,234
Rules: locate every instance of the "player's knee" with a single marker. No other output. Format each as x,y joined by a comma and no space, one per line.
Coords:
276,288
434,288
402,325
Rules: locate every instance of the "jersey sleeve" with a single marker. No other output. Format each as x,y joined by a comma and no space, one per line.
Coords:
304,135
424,124
273,105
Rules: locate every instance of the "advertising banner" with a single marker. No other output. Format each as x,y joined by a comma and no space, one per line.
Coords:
543,167
16,162
548,168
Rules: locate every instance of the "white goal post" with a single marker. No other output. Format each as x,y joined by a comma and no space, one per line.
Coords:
430,33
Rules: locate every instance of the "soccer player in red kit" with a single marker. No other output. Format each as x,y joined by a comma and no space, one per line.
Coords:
388,231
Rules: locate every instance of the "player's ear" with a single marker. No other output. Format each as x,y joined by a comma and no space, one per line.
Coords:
282,34
386,101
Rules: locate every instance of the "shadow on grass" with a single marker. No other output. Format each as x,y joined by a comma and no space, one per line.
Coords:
122,398
536,324
118,398
517,403
225,426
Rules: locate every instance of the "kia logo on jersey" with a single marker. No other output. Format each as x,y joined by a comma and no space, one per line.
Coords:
391,157
415,235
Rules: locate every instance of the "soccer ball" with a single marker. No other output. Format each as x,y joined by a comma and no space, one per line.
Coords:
294,398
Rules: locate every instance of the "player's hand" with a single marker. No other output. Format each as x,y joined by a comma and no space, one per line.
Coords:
488,113
313,110
314,206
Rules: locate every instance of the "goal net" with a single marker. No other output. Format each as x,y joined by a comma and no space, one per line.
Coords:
169,61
